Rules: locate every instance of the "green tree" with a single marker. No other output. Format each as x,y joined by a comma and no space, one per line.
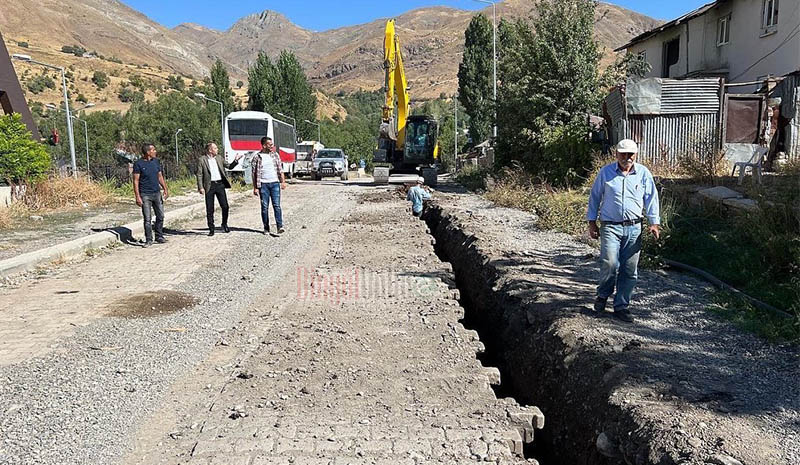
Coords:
625,67
176,82
21,158
100,79
219,87
261,80
294,93
550,83
475,77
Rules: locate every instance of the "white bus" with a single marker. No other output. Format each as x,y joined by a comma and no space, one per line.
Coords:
305,153
243,133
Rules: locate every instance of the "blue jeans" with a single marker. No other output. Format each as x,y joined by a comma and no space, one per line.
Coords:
619,255
271,191
150,203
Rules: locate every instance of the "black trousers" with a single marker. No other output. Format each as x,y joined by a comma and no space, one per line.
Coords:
216,189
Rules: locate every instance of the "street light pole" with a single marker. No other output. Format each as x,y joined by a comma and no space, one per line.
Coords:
70,134
177,163
85,130
221,114
319,130
494,56
294,121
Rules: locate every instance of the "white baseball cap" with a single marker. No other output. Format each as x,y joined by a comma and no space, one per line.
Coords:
627,146
420,180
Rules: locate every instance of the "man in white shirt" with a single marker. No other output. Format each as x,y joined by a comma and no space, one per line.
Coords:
268,181
212,182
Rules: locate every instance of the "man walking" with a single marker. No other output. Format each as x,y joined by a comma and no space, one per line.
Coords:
212,182
268,181
416,195
622,191
148,179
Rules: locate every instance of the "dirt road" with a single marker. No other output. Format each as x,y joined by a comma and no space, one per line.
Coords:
338,342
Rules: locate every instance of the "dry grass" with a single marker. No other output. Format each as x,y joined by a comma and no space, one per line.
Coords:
64,193
10,216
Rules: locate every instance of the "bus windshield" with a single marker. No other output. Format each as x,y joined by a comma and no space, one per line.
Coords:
246,134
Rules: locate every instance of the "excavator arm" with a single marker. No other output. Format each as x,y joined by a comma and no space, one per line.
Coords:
396,86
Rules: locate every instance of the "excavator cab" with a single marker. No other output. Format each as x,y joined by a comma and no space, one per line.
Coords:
422,133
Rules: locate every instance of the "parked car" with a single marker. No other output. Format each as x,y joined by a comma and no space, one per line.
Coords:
330,162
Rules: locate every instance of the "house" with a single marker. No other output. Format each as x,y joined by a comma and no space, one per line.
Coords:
738,40
12,100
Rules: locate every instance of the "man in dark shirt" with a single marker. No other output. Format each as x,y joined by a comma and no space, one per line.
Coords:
148,177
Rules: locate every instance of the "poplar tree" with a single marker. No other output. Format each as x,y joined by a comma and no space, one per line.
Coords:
475,78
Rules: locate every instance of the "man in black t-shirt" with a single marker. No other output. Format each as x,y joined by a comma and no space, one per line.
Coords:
148,178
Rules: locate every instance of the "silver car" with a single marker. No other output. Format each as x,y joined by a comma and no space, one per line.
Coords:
330,162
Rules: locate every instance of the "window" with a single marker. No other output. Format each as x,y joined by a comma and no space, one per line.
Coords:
724,31
770,17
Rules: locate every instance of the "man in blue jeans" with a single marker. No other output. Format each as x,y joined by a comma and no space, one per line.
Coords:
621,193
148,180
268,181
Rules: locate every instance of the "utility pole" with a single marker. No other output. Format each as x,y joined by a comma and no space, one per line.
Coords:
70,134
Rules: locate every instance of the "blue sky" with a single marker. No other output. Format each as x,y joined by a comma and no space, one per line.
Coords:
321,15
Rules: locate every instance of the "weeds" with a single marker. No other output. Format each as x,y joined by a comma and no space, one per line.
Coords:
61,193
473,178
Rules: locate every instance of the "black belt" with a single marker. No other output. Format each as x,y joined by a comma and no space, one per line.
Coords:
216,182
623,223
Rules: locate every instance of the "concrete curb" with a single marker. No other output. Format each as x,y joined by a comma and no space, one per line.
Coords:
77,247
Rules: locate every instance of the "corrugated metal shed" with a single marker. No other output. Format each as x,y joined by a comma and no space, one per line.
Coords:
789,92
684,121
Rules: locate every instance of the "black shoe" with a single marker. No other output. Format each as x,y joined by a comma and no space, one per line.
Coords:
211,232
623,314
600,304
281,230
161,240
266,231
225,228
147,244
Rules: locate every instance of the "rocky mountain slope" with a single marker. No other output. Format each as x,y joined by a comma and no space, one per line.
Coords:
344,59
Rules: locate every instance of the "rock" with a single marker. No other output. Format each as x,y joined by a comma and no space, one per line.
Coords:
36,218
245,375
607,447
722,459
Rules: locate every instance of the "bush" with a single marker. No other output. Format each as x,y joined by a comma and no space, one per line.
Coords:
472,177
176,82
129,95
38,84
76,50
23,44
81,98
239,84
100,79
21,159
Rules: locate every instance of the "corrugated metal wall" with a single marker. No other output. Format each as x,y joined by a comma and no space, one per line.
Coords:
687,126
690,96
787,90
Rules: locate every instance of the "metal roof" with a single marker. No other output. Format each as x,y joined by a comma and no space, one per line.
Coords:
675,22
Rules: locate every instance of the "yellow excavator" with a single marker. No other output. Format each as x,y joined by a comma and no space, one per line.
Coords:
406,142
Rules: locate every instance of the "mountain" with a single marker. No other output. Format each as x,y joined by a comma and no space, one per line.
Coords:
343,59
107,26
351,58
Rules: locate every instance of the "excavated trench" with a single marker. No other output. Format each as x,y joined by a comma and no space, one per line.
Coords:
540,364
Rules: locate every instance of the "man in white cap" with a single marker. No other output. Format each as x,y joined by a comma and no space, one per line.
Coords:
416,195
623,194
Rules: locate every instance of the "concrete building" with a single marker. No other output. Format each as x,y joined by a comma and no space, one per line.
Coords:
739,40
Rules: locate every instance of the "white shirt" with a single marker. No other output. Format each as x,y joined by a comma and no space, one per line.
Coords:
268,173
213,168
